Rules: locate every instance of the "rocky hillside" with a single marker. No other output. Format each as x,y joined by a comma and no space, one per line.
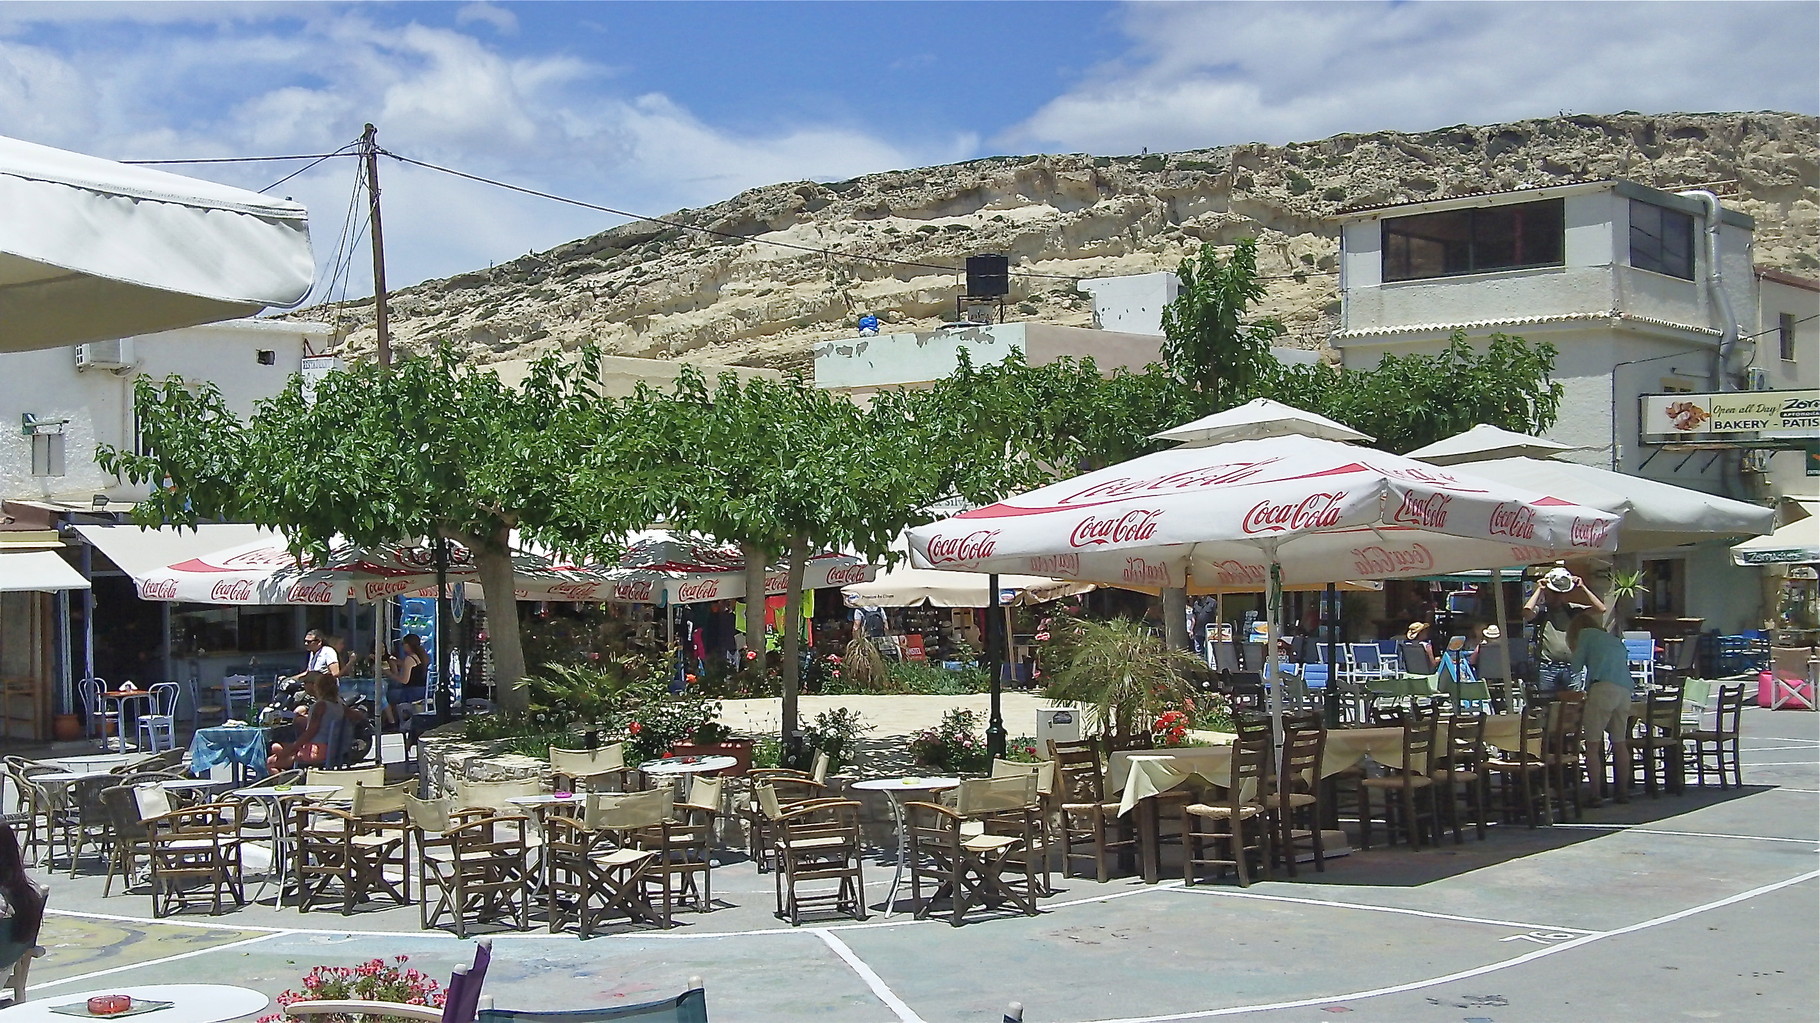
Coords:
653,290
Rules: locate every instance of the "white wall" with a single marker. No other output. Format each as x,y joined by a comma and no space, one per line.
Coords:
98,403
1787,472
1133,303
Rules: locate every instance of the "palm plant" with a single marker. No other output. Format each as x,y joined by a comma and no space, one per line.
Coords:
1120,671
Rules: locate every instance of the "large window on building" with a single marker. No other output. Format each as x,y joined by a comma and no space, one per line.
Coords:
1661,240
1473,241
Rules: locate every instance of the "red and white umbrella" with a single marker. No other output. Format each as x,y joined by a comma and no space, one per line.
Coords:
667,568
266,572
1286,509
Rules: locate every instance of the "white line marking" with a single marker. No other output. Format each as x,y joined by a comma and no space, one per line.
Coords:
1771,749
1638,829
1476,971
1384,909
903,1012
1784,788
153,962
1787,763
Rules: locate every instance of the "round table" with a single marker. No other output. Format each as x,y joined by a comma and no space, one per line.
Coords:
194,1003
674,767
281,821
894,789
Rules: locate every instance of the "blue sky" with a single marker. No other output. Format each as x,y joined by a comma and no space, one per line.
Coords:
655,106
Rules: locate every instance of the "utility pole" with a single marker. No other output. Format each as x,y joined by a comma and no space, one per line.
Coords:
369,154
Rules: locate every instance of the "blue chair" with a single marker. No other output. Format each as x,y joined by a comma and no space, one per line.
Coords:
689,1007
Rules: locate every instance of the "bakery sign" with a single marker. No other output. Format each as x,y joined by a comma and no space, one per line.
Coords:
1730,415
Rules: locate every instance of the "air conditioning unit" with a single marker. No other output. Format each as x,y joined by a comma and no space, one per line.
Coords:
112,355
1755,379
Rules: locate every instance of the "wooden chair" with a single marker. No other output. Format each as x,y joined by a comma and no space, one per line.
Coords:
1521,772
461,998
1408,797
475,862
1039,853
644,821
350,850
788,788
592,870
1299,809
816,840
19,931
1564,753
1087,818
1656,747
1227,821
1719,744
1458,774
345,779
966,850
196,845
685,845
589,770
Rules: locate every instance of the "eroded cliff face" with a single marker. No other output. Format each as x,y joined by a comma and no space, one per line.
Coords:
666,292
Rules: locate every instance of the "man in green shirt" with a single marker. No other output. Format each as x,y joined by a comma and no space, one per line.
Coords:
1608,690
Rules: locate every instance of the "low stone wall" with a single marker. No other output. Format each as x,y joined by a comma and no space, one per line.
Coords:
445,755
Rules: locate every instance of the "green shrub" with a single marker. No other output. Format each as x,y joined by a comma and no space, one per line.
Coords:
953,745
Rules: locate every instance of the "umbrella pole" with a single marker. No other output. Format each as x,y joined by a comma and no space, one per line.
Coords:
1273,606
995,661
1503,620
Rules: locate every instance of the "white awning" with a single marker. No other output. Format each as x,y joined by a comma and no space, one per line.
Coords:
38,570
91,249
139,551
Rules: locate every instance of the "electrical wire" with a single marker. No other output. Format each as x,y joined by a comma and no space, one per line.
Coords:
817,250
243,159
313,163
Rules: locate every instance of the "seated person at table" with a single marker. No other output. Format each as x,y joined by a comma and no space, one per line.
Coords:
1608,693
407,675
319,743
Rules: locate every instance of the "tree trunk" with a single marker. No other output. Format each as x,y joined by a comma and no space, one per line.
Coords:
757,559
492,560
1175,618
792,625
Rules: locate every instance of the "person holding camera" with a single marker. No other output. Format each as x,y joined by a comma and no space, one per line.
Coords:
1552,605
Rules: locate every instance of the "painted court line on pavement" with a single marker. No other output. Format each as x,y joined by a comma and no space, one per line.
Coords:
1638,829
153,962
1477,971
879,988
1221,893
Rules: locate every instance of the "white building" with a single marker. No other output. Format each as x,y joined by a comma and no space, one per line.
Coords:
67,402
1622,280
1127,311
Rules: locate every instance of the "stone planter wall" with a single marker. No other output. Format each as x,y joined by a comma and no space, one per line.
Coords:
443,756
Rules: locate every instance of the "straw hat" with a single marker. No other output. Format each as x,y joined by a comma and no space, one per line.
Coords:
1415,629
1492,632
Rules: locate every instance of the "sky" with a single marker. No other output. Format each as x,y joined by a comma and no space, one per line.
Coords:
652,107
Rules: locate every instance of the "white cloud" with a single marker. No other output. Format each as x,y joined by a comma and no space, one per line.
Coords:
1215,74
498,18
276,79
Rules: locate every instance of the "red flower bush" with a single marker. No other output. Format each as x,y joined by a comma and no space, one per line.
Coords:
374,980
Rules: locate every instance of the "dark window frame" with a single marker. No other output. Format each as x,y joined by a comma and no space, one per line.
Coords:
1785,335
1469,241
1655,233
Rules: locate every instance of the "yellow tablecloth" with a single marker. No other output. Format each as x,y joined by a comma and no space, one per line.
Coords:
1140,774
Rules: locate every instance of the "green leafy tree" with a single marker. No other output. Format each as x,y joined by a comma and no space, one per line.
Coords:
428,448
1207,345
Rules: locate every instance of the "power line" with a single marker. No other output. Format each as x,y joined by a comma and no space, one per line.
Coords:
343,151
243,159
706,230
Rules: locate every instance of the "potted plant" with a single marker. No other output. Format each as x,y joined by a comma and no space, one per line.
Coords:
710,738
1120,672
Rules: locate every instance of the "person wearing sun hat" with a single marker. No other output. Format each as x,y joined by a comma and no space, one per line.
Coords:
1415,638
1558,596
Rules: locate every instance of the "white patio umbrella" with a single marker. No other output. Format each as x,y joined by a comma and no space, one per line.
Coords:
904,586
1256,420
1795,543
1283,509
91,249
1486,441
662,567
1656,514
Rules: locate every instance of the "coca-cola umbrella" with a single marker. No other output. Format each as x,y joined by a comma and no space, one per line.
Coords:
1291,509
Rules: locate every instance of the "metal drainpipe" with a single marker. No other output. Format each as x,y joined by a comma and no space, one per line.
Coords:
1732,478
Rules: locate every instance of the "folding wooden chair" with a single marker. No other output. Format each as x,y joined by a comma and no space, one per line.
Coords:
815,841
475,863
967,858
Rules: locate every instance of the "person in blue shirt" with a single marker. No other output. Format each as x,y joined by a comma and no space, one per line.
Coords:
1608,692
868,325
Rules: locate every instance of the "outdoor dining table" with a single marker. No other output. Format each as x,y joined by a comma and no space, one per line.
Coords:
94,761
120,698
190,1003
242,746
895,789
282,839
